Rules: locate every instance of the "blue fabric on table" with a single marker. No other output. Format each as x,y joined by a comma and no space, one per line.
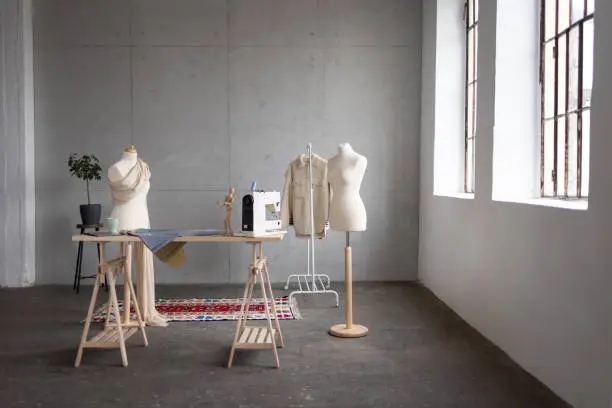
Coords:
155,239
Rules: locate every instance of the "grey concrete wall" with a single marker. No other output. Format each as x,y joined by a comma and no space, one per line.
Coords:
535,280
17,179
216,93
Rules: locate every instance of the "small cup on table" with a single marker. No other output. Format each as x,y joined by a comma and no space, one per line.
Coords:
113,225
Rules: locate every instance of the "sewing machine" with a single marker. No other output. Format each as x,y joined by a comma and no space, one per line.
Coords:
261,213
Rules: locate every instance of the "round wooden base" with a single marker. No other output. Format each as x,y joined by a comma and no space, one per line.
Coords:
340,330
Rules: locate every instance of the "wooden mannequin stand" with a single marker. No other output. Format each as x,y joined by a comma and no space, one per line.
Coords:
348,330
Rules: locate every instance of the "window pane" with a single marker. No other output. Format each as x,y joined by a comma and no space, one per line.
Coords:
591,6
475,52
470,109
549,151
577,10
474,108
470,56
567,83
564,15
549,22
573,66
470,12
469,174
586,150
561,156
549,81
561,59
587,70
572,159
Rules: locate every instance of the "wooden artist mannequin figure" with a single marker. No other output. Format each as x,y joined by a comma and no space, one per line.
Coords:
347,213
129,182
228,203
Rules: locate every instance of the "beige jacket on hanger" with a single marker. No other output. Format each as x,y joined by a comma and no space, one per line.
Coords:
295,204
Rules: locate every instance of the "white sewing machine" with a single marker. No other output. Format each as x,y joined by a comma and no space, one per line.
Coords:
261,213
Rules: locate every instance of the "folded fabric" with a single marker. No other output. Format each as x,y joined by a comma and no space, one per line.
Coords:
160,242
172,254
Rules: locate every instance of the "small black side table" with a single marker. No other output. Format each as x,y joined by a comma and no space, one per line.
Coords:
79,263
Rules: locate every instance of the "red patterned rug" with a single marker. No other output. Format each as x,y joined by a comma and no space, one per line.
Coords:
209,309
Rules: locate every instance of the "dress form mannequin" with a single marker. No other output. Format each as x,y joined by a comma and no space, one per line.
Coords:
133,213
345,172
347,213
129,182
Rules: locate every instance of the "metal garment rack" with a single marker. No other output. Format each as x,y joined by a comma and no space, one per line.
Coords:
311,282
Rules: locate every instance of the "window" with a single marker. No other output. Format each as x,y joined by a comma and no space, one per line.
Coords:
471,50
566,82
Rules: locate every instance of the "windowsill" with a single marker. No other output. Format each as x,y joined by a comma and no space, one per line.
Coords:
577,204
462,196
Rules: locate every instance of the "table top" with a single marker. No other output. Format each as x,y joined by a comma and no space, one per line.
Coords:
187,238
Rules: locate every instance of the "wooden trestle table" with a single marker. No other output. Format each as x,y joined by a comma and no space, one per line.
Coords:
115,334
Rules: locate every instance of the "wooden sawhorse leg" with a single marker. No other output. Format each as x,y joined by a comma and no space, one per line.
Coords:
114,334
257,337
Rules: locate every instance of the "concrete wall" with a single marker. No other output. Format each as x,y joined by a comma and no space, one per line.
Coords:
216,93
17,204
533,279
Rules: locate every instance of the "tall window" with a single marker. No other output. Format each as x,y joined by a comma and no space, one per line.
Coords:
566,81
471,51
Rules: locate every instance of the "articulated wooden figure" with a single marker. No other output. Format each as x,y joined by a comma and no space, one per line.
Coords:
228,203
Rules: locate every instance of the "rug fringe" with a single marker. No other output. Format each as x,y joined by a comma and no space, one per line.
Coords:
295,309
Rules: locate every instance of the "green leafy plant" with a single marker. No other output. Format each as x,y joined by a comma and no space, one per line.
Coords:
86,167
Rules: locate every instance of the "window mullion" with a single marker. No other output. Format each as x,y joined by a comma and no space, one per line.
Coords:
556,104
567,120
467,95
580,105
474,100
542,93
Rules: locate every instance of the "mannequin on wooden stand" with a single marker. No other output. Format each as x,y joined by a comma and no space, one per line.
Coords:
347,213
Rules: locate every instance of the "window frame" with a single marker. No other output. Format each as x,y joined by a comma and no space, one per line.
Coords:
471,42
562,84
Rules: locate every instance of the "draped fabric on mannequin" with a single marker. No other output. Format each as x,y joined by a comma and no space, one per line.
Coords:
146,284
132,184
129,196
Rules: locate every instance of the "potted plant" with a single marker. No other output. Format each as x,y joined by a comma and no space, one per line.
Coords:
87,167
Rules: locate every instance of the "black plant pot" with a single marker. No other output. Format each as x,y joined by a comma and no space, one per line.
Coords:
91,213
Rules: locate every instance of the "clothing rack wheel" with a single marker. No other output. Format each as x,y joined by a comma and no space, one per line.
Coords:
76,286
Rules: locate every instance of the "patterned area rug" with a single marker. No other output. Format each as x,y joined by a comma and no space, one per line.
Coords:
190,310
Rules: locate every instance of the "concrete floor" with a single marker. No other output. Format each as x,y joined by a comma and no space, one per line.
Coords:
418,354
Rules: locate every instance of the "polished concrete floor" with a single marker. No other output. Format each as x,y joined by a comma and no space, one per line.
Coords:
418,354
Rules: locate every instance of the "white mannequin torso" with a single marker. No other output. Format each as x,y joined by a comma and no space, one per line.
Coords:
345,172
133,214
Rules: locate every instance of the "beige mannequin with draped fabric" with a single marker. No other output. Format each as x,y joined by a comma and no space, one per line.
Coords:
129,183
